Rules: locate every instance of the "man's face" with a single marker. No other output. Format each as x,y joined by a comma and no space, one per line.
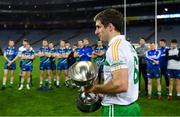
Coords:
173,45
62,43
28,47
45,44
67,45
141,42
80,43
162,44
25,43
101,31
11,43
51,45
85,42
152,46
99,43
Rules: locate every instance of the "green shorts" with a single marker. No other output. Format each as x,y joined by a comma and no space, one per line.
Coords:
121,110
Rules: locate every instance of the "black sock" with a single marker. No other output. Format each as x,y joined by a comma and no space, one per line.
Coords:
19,80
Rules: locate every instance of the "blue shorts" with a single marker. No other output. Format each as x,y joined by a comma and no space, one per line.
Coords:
45,66
11,67
62,66
26,68
173,74
153,73
53,66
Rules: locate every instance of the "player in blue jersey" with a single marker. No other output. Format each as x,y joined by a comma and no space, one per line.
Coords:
77,51
45,63
99,57
153,69
163,62
10,55
86,51
20,50
53,61
62,65
27,57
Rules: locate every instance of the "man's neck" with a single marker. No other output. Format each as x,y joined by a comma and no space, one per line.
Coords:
113,35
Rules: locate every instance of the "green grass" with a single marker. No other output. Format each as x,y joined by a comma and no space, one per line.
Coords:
61,101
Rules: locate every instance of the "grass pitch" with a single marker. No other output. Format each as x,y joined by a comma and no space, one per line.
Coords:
61,101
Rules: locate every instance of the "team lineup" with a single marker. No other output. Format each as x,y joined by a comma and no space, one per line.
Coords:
48,56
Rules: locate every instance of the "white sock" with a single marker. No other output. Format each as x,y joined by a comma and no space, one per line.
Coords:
57,82
4,83
170,94
178,94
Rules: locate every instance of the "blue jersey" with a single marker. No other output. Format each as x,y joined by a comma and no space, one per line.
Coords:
52,51
163,59
62,51
100,59
27,62
86,53
151,55
11,53
69,50
44,59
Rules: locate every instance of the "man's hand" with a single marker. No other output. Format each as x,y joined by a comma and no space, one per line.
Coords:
9,63
89,89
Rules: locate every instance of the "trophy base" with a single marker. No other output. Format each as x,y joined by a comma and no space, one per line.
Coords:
88,104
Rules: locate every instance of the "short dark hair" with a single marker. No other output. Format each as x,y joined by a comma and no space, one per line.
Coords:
26,40
142,38
174,41
111,16
164,40
45,40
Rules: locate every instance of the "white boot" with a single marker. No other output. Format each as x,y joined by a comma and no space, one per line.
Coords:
28,87
21,87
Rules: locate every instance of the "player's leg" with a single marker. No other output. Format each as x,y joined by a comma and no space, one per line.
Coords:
149,75
159,88
5,78
58,78
164,73
12,78
178,84
41,78
22,80
66,78
41,74
170,88
157,75
144,74
170,76
178,88
149,88
49,77
28,80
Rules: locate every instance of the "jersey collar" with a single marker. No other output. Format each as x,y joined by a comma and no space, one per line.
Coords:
116,38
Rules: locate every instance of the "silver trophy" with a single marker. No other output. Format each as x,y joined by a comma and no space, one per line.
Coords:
83,74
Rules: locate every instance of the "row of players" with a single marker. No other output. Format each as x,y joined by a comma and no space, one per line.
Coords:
157,62
48,55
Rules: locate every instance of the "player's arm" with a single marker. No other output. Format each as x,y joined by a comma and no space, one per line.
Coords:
58,55
5,56
119,83
101,53
14,59
89,53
